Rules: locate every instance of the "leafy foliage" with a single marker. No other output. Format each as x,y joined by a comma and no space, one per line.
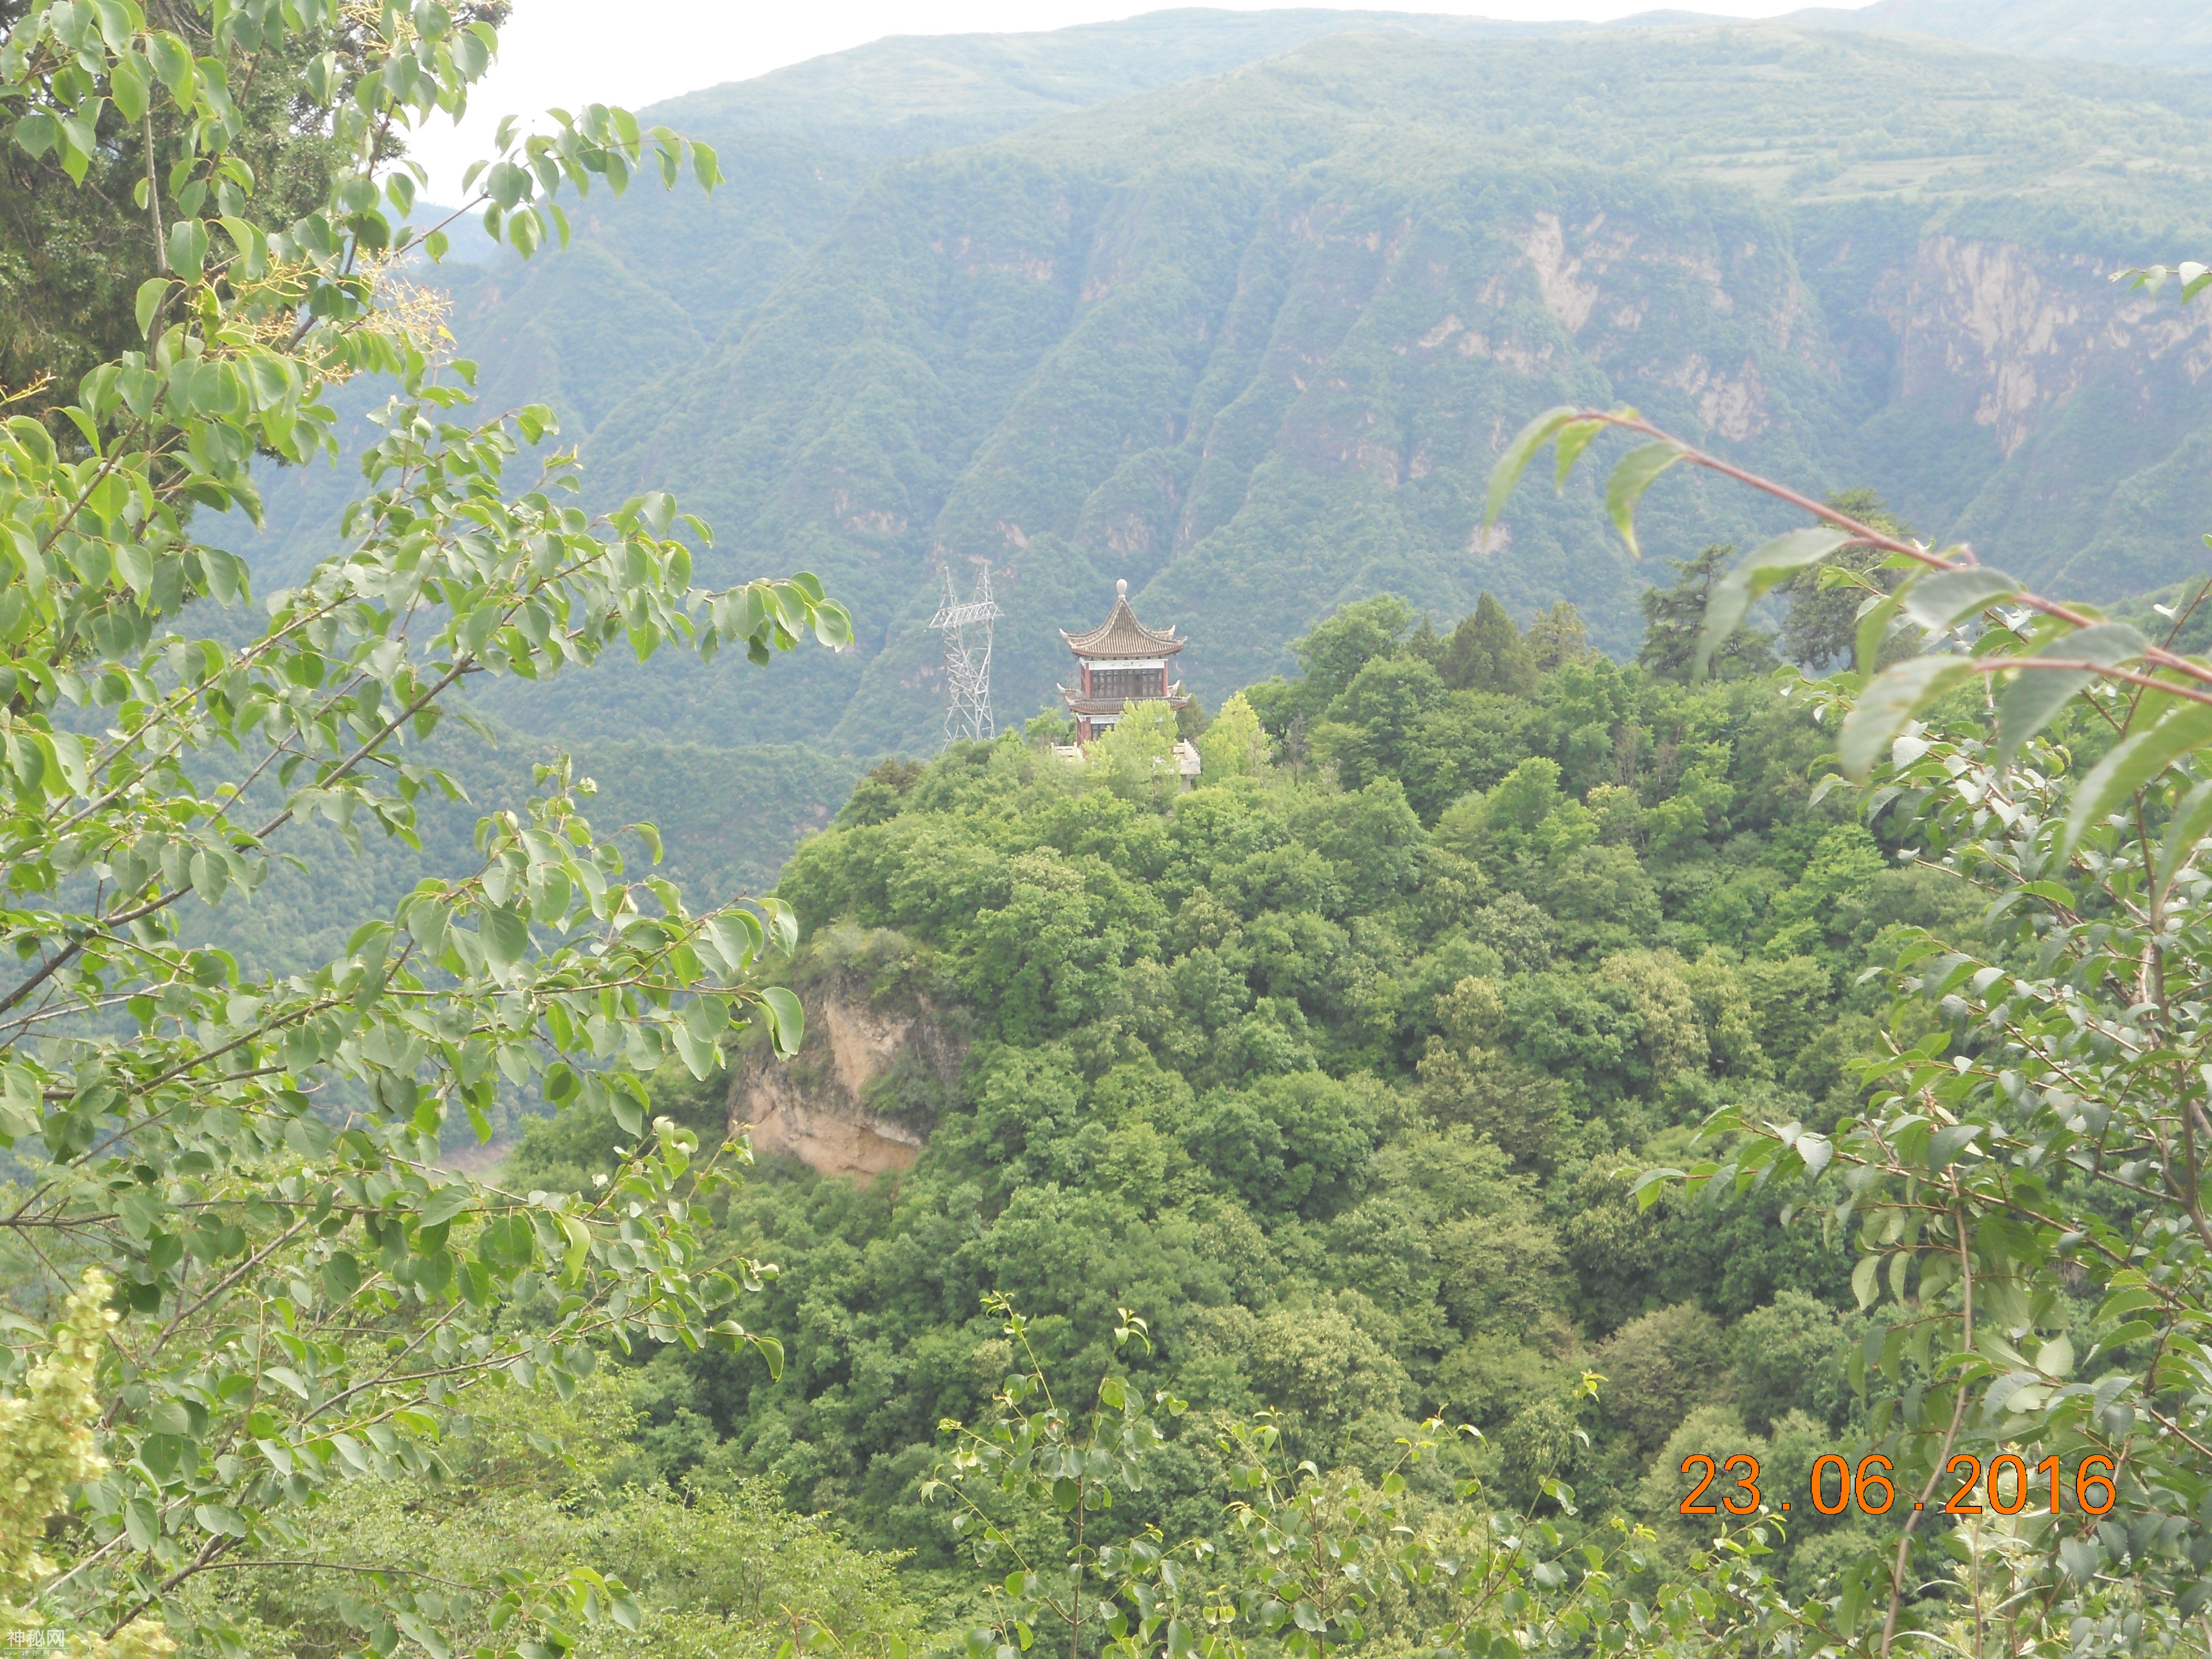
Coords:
2024,1182
1342,1085
248,1155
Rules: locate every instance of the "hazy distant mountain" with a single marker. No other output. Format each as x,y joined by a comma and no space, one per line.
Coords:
909,94
1251,337
2175,34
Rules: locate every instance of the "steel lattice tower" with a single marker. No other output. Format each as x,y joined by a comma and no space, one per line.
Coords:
966,626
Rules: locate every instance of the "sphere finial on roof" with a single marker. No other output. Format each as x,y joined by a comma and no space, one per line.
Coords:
1122,588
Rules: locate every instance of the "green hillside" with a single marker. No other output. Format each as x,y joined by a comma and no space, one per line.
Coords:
1330,1077
1251,340
2173,34
727,819
908,95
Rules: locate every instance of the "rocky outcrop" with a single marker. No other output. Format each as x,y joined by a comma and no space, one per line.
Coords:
879,1059
2001,335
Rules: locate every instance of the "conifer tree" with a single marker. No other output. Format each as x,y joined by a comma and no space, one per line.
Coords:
1487,654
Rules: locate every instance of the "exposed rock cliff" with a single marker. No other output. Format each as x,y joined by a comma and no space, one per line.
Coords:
2000,334
880,1056
2053,421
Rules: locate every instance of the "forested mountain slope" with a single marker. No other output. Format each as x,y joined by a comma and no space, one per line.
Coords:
1330,1072
2173,34
908,94
1251,340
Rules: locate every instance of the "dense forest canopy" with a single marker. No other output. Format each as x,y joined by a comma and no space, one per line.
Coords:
1335,1196
1335,1074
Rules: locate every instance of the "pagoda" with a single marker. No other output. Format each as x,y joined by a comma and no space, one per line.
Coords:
1119,662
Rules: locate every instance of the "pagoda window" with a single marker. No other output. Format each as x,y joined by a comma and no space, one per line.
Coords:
1125,683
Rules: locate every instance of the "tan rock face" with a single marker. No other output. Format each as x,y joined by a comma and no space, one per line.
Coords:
815,1107
830,1140
2001,334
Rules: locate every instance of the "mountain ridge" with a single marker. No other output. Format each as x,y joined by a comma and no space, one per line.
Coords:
1162,338
2173,34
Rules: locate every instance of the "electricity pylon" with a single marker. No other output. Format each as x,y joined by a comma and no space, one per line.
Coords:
966,626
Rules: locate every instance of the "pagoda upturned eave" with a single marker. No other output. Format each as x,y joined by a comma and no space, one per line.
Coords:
1122,635
1081,706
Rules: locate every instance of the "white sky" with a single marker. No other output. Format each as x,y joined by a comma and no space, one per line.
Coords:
634,52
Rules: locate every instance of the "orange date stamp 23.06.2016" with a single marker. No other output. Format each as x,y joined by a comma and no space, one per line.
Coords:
2006,1485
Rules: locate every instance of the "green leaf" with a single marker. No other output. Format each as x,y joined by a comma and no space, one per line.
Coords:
833,624
210,878
221,1519
2034,697
579,1247
117,22
505,933
173,62
341,1276
1864,1277
448,1201
1883,707
736,937
2131,765
188,247
81,140
1945,1145
144,1522
411,1625
130,86
1940,602
2080,1557
1816,1150
1518,453
786,1019
1575,437
1633,474
37,132
700,1057
1875,619
2185,831
1768,563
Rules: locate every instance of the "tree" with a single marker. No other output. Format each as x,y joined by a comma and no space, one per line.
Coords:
1558,637
301,1290
1818,628
1136,754
1787,1357
1673,617
1296,1560
1339,647
1233,745
2026,1183
1487,654
74,248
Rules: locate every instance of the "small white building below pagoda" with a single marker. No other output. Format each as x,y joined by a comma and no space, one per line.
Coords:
1119,662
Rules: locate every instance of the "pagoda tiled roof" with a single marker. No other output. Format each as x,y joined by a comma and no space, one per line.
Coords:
1122,636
